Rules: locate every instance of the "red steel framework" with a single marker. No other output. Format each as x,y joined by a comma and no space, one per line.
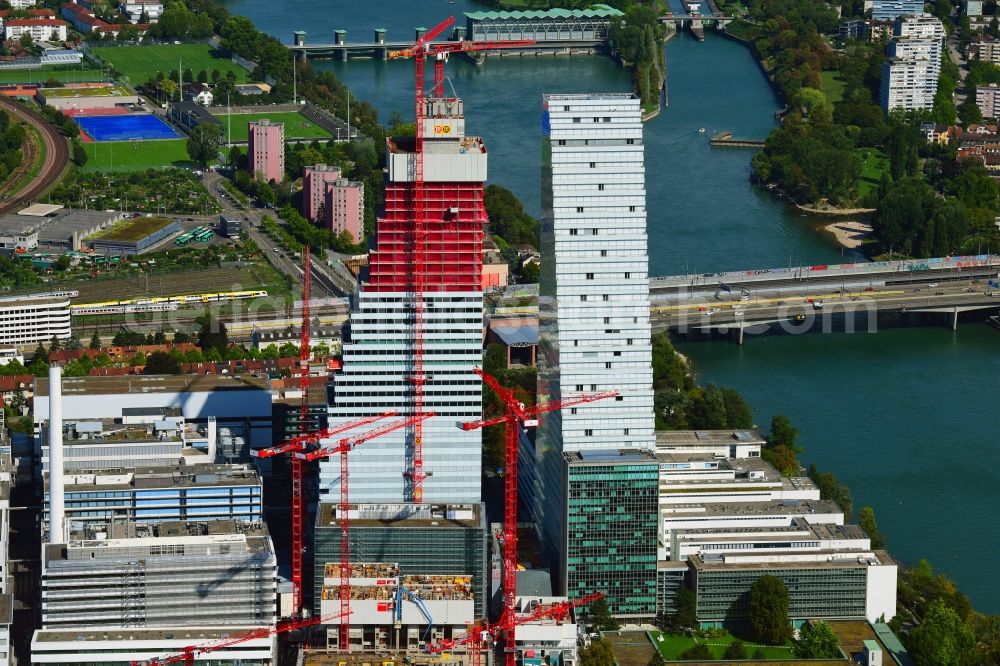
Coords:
187,655
418,236
481,633
343,447
515,415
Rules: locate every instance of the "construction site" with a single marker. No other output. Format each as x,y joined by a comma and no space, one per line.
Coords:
388,541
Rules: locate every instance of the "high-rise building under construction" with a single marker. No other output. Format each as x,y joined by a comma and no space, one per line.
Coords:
379,368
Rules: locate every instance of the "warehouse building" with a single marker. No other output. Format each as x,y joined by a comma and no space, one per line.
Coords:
86,96
134,236
52,227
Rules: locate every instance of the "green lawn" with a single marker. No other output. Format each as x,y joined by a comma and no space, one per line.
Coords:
63,73
673,645
874,163
833,86
127,156
297,126
140,63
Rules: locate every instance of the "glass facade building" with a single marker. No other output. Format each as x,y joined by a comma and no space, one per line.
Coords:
610,538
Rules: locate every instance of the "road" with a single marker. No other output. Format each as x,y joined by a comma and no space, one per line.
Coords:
325,281
56,156
796,306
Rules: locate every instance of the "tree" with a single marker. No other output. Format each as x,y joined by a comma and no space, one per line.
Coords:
942,639
738,413
79,154
495,359
598,653
782,433
685,615
204,142
181,337
74,342
212,334
264,193
696,652
768,611
95,341
61,264
601,617
656,660
866,518
817,641
735,650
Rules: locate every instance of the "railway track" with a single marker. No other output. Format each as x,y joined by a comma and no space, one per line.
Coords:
56,156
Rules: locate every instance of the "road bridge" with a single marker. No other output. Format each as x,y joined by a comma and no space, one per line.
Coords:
798,299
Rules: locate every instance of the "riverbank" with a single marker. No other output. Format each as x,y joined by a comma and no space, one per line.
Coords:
850,233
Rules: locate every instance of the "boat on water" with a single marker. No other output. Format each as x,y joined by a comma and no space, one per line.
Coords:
701,130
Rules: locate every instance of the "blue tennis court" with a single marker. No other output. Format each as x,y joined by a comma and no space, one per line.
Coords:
125,127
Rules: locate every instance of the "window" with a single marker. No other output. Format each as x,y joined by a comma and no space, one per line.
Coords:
630,142
618,353
576,120
605,297
565,108
626,431
604,253
607,365
579,387
572,410
588,433
607,119
631,209
590,276
596,119
583,298
600,187
607,320
579,209
593,232
593,387
628,276
593,165
572,232
629,341
562,142
619,398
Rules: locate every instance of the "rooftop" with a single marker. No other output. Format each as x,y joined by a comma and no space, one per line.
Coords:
132,230
609,456
203,475
184,635
403,515
457,146
735,509
824,559
708,437
154,384
594,11
89,91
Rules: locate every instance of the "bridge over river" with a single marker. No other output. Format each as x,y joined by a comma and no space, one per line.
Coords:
796,299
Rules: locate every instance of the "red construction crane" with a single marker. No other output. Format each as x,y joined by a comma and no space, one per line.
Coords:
298,504
296,445
480,633
516,414
343,447
187,655
420,51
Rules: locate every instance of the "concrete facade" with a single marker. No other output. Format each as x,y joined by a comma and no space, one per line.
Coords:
345,208
267,150
34,318
314,181
988,100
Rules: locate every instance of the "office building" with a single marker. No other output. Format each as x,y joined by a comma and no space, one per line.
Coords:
890,10
718,443
800,536
100,646
314,181
746,514
377,375
419,539
831,584
241,403
610,538
123,576
345,208
988,100
266,150
34,318
146,494
703,478
594,330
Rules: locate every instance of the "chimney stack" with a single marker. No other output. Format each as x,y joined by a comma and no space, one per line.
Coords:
57,482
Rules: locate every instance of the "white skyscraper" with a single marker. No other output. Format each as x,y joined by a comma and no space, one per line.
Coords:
594,302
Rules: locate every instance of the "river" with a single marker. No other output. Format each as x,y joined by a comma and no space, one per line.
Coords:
905,417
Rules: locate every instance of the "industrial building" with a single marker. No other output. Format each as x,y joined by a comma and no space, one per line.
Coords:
52,227
379,356
239,402
703,478
134,236
610,538
419,539
557,24
33,318
597,336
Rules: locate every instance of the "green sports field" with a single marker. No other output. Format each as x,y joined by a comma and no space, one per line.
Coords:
63,73
140,63
297,126
128,156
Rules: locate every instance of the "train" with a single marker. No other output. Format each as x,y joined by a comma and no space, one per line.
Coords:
162,303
